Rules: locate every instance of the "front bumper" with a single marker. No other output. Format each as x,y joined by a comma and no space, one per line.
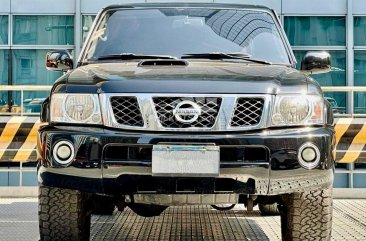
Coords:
95,171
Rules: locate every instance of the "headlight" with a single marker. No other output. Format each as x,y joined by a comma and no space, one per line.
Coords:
298,110
75,108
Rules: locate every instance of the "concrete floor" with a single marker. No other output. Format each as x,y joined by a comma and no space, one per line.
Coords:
18,221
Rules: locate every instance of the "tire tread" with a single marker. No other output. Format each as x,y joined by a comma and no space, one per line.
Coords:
63,214
307,216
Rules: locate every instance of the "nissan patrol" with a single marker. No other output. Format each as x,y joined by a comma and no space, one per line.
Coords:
185,104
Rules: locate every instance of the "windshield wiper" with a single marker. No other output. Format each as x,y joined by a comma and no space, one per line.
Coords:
128,56
219,55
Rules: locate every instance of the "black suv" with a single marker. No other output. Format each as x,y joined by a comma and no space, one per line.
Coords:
179,104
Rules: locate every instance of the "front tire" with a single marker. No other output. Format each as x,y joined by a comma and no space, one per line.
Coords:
64,214
307,215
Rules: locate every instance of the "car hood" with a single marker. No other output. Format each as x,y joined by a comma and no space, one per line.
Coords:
198,77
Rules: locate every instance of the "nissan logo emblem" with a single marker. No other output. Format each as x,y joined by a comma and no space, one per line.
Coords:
187,109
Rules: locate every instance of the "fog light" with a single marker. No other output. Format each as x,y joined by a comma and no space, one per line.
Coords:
63,152
309,155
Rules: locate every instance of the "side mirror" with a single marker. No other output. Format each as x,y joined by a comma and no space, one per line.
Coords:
59,60
316,62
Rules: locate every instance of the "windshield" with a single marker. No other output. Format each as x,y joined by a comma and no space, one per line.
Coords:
181,31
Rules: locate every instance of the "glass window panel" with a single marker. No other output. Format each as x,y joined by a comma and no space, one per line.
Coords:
4,99
32,101
360,68
360,165
4,179
87,23
360,80
14,178
338,101
4,30
336,77
359,180
30,165
340,180
30,179
359,30
43,30
341,165
29,68
316,31
9,178
360,104
4,57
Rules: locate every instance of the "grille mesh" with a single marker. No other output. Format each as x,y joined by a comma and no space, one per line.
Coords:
210,107
248,112
126,111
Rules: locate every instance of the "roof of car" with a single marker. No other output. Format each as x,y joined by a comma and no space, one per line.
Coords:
181,4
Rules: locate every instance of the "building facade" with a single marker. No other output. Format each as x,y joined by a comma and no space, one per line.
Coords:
28,29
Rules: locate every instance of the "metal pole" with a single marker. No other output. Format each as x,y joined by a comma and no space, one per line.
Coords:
350,72
20,173
350,57
77,29
21,102
10,56
10,78
350,175
353,101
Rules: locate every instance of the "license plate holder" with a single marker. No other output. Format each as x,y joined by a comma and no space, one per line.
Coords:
186,160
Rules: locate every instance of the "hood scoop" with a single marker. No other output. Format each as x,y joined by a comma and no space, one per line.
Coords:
162,62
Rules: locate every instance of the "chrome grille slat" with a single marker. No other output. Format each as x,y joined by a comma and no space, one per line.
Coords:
127,111
164,107
247,112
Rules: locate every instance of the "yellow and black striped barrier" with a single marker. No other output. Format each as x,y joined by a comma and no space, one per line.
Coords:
350,140
18,139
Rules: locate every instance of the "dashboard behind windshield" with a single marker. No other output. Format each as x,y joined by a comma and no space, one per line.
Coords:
180,31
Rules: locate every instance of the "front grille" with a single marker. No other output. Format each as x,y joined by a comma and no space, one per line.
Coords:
181,112
210,107
247,112
126,111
